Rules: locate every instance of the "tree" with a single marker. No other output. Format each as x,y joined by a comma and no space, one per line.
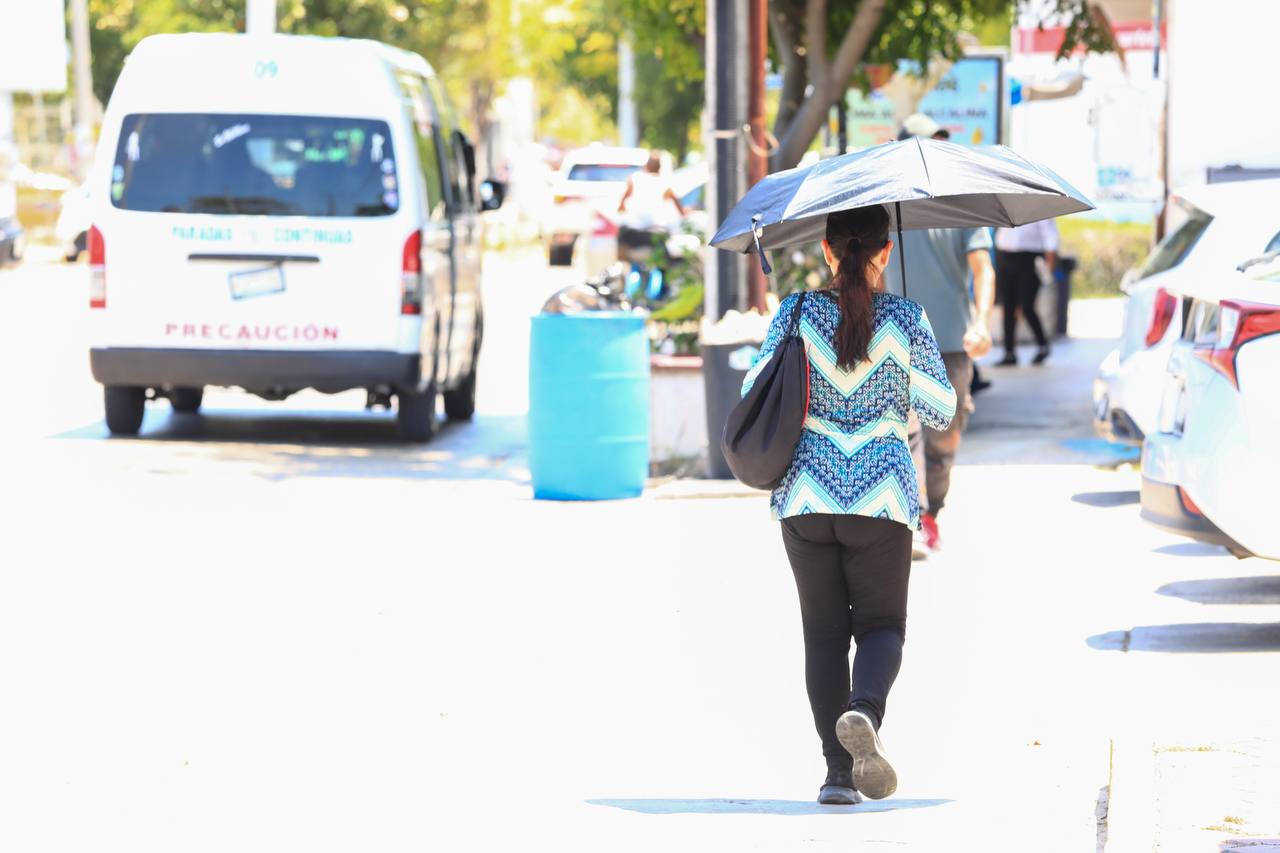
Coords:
822,47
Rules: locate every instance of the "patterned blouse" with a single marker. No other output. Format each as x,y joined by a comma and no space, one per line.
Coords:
853,457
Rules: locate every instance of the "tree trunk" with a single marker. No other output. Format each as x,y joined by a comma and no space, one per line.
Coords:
829,80
794,77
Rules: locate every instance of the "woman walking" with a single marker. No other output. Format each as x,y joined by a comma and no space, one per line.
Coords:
1018,281
849,500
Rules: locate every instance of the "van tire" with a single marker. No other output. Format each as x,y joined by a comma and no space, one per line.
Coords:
416,414
460,403
186,400
125,405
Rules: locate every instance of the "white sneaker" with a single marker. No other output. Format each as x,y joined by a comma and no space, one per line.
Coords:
873,775
920,549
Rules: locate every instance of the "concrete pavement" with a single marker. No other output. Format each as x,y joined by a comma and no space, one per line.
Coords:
273,627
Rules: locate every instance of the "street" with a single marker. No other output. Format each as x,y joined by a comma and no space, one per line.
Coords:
274,627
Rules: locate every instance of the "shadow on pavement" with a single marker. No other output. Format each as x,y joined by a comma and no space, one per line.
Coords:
1260,590
1192,549
1208,637
778,807
1253,845
1106,499
293,443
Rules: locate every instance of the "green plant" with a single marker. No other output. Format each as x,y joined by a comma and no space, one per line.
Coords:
1104,252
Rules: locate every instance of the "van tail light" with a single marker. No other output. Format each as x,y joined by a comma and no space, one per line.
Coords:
1161,316
411,276
603,226
97,268
1238,323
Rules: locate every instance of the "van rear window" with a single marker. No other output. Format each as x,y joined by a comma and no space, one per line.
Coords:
237,164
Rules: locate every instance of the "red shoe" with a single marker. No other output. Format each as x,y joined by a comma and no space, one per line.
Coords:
929,527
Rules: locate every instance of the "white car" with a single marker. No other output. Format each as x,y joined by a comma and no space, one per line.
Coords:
1210,468
585,195
1215,226
283,212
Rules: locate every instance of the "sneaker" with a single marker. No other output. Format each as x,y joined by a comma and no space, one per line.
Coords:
1010,360
929,531
838,790
1041,355
977,386
919,548
873,775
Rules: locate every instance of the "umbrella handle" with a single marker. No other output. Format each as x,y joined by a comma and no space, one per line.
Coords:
755,233
902,255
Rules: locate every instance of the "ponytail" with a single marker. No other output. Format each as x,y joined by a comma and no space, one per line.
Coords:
853,289
855,236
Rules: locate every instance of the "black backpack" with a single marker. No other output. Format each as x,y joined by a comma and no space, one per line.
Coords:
763,429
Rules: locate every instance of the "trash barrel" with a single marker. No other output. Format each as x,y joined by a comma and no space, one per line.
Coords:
1062,272
724,366
588,405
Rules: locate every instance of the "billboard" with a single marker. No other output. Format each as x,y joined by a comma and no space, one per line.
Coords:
33,46
968,101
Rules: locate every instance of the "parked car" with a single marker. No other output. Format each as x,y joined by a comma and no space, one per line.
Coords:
585,195
279,213
75,215
1210,468
1215,226
600,245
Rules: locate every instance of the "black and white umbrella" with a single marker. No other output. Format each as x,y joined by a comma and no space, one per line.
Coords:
923,183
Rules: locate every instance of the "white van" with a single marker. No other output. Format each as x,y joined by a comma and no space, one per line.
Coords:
284,212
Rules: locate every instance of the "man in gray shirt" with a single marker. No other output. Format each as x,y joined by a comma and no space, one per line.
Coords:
939,262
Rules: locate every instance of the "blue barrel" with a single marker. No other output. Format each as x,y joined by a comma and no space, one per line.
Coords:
588,406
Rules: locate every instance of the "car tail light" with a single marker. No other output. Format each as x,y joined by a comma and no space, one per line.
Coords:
603,226
1161,316
411,275
1238,323
1188,504
97,268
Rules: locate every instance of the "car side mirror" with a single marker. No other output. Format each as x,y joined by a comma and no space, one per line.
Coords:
468,152
492,193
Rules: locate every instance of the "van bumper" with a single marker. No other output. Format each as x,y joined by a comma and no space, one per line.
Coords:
256,370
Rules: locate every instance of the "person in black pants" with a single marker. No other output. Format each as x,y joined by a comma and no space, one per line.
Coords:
850,498
1018,281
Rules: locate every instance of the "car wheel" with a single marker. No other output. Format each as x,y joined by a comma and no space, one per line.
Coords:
125,405
560,256
186,400
416,414
460,403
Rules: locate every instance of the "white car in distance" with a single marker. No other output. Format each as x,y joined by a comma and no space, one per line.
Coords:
585,196
1212,227
1209,469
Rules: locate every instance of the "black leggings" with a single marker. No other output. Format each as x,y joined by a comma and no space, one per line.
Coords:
852,573
1019,283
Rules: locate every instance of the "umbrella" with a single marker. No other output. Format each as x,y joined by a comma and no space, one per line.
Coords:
924,183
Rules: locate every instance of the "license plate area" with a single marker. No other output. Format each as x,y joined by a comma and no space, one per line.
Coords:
250,284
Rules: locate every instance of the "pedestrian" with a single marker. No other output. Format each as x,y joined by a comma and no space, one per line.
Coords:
939,264
849,499
1018,279
648,206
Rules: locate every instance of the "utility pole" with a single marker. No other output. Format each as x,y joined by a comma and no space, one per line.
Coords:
757,161
628,126
725,114
260,17
82,70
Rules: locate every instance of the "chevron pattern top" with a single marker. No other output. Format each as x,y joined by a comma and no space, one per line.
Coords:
853,457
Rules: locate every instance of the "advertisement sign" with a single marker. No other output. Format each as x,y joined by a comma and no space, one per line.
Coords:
967,101
33,46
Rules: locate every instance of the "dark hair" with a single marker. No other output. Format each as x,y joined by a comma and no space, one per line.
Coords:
855,236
